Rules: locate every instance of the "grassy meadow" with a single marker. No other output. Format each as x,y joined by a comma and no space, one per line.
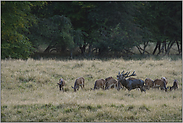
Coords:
29,91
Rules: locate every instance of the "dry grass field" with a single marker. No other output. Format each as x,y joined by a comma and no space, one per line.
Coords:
29,91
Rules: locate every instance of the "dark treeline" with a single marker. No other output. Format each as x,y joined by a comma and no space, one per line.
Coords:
95,28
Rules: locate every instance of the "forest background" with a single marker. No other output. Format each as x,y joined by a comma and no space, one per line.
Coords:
88,29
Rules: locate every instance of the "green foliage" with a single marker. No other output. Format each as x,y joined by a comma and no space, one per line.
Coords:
15,17
162,18
55,31
102,26
20,49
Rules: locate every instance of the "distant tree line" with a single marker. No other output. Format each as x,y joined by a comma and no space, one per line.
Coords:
93,27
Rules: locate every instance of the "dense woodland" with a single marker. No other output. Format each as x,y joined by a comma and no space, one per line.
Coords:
95,28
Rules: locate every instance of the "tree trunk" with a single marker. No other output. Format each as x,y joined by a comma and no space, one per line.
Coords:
181,47
90,50
145,45
157,45
71,54
163,48
138,47
178,47
159,48
169,47
83,48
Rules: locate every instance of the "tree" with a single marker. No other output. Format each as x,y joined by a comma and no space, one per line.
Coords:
75,11
116,27
15,19
164,20
55,31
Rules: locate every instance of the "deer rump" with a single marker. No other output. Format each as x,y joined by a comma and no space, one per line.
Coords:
110,83
100,83
133,83
79,82
161,83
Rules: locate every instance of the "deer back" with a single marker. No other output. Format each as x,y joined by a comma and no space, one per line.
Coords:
159,82
99,83
149,82
79,81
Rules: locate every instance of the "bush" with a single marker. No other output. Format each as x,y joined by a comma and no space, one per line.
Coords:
16,49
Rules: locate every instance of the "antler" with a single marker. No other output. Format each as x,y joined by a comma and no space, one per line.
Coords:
119,73
133,74
127,73
122,72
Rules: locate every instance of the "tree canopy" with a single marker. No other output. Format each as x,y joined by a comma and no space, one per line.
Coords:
91,26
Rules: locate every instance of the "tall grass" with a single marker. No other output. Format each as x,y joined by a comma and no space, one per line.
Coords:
29,91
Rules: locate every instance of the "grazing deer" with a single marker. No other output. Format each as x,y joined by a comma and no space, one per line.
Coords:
160,83
149,83
130,83
100,83
175,85
61,83
164,79
110,82
79,82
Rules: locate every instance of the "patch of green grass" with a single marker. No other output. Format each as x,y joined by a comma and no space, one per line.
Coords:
130,107
144,107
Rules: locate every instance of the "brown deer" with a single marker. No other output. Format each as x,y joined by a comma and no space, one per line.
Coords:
164,79
79,82
110,82
160,83
175,85
61,83
130,83
149,83
100,83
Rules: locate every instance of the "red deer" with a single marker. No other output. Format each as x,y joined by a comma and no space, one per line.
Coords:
175,85
100,83
79,82
130,83
61,84
160,83
110,82
164,79
121,86
149,83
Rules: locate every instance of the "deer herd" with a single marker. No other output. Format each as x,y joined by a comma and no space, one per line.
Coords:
123,80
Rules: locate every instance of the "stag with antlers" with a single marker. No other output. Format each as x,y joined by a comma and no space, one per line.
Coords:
130,83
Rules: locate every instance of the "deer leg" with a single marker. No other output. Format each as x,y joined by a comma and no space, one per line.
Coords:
102,87
110,86
148,87
142,89
81,86
60,87
116,86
